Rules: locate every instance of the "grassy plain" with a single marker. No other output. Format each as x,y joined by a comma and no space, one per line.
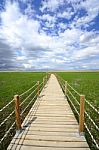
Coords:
12,83
86,83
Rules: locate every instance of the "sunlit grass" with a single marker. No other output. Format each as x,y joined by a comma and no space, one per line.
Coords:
86,83
12,83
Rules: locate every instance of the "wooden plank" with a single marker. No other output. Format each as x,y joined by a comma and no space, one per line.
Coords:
54,129
26,147
51,126
56,144
54,122
54,126
75,134
53,138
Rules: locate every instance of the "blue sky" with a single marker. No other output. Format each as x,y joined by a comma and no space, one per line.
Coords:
49,34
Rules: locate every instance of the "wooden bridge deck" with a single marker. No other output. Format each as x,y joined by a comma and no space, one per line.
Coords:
50,124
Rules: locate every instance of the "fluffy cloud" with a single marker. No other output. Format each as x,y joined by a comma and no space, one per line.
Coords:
44,41
66,15
51,5
47,17
19,25
86,52
91,8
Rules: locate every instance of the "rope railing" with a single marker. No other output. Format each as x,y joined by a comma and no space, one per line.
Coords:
6,105
73,97
29,118
27,102
6,118
92,121
78,94
30,101
7,132
28,90
28,97
92,106
70,93
93,139
73,89
20,96
72,104
10,115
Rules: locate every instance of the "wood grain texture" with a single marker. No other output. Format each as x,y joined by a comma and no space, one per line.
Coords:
50,124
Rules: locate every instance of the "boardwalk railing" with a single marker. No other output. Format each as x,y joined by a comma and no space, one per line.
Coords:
17,109
86,114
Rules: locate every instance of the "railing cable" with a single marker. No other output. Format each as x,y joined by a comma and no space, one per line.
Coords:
91,135
72,104
7,132
6,105
92,121
28,97
92,106
7,118
73,89
73,97
28,90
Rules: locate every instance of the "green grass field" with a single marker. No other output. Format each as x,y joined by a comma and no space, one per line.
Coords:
86,83
12,83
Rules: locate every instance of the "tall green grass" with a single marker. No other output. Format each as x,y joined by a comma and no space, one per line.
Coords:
86,83
12,83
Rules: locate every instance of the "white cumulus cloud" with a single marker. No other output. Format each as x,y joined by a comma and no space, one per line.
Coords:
29,44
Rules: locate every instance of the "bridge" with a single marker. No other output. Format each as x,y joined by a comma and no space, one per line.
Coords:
50,123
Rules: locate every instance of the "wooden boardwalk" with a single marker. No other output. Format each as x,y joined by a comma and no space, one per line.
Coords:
50,124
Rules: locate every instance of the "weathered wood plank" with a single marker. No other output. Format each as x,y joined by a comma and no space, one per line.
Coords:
56,144
52,126
27,147
53,138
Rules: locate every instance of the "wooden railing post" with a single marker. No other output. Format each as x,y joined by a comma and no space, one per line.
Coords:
65,87
17,112
81,117
38,88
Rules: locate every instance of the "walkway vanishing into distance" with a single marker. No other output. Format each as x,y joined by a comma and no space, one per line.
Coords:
50,124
